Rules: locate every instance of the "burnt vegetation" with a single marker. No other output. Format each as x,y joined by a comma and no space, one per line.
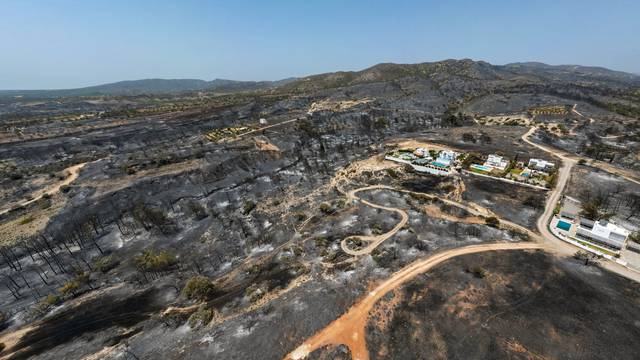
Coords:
180,216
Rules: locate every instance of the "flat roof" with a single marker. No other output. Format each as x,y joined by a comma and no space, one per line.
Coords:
605,228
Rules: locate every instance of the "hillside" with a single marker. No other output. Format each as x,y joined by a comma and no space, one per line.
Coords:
465,69
234,224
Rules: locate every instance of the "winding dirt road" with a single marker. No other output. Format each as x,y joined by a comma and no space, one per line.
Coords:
374,240
349,329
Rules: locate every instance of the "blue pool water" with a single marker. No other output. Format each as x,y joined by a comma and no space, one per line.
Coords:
563,225
481,167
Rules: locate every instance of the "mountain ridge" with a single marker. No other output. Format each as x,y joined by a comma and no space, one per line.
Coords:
149,86
466,68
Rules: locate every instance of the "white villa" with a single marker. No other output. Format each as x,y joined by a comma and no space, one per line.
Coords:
446,157
421,161
497,162
603,232
541,165
421,152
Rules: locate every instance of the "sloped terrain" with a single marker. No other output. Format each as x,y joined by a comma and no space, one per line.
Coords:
129,230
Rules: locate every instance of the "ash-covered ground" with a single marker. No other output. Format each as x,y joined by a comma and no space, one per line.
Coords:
505,305
183,227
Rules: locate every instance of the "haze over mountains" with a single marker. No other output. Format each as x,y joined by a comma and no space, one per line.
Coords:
150,86
381,72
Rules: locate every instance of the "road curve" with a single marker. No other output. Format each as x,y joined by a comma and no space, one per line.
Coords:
349,329
564,172
374,240
559,246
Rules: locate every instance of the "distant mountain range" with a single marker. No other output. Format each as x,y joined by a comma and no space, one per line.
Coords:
530,72
149,86
479,70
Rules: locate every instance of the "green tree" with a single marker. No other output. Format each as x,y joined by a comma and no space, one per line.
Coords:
199,288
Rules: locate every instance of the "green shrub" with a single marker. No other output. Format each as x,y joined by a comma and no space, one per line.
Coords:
70,287
46,303
151,261
478,272
198,288
201,317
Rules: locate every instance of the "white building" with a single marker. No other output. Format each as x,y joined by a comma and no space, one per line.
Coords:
603,232
541,165
497,162
263,121
446,157
421,152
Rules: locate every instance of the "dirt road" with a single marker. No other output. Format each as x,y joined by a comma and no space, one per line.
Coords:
373,240
265,128
73,171
557,245
349,329
554,196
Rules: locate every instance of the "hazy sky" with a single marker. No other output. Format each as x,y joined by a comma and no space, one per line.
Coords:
62,44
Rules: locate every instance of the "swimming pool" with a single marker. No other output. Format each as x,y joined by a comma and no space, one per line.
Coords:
439,164
563,225
481,167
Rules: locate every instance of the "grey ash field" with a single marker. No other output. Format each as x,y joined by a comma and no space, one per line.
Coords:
181,226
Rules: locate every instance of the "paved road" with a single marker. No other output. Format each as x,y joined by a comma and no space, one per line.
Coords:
349,329
554,196
559,246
